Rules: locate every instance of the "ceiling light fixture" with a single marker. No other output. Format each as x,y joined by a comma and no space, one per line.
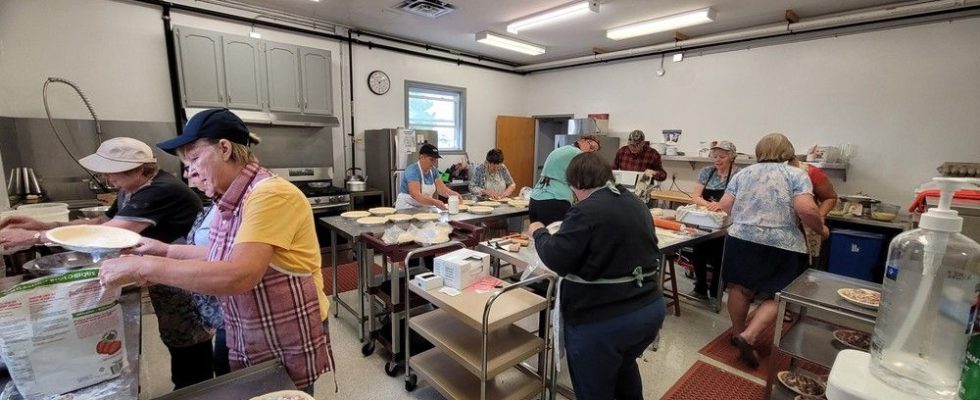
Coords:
493,39
663,24
253,34
555,14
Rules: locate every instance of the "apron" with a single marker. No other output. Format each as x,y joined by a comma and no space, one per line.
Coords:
715,194
405,200
494,182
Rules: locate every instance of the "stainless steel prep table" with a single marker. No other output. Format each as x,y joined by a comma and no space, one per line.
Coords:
811,339
351,230
245,383
668,243
126,385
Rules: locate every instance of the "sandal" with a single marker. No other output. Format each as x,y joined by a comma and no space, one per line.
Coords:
746,352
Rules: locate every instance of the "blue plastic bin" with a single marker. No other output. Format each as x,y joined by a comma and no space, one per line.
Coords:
854,253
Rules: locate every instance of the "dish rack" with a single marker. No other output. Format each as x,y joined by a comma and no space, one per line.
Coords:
385,290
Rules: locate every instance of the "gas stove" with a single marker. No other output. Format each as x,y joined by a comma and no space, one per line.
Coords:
317,184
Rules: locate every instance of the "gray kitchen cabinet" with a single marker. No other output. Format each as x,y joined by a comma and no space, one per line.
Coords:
316,67
242,72
200,67
283,74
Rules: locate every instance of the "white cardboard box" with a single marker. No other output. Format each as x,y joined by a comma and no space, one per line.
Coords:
462,267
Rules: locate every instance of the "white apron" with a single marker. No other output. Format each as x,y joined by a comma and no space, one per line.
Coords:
405,200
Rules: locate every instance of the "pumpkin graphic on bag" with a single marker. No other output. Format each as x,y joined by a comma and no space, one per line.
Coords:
108,345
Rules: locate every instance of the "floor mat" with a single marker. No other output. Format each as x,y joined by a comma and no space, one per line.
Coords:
722,350
346,277
706,382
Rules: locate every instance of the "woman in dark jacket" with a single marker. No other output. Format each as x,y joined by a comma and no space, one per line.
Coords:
610,300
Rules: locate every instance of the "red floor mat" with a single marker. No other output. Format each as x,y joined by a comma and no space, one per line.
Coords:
346,277
706,382
722,350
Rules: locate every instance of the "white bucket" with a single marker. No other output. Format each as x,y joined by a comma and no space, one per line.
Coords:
42,214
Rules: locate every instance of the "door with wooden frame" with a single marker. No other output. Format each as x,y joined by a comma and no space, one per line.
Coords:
515,137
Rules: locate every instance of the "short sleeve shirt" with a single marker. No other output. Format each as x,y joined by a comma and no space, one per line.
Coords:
170,207
554,169
277,213
414,174
166,203
717,181
763,210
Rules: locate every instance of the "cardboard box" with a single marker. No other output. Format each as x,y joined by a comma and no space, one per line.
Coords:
462,268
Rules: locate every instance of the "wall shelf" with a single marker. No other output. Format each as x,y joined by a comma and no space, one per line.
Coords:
842,166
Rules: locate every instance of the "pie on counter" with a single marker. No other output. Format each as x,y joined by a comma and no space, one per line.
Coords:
480,210
854,339
801,384
370,221
400,217
427,216
284,395
382,210
489,203
355,214
862,297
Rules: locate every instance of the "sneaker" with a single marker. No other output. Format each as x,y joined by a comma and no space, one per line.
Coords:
698,295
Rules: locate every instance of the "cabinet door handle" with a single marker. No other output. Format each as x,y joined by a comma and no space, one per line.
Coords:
221,98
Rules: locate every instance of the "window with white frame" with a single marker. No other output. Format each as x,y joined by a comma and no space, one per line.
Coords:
439,108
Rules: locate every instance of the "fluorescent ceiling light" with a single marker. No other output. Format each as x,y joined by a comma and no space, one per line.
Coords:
662,24
555,14
493,39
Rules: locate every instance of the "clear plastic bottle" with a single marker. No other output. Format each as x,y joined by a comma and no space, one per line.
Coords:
453,205
929,304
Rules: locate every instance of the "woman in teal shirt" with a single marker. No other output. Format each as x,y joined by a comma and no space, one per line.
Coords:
551,196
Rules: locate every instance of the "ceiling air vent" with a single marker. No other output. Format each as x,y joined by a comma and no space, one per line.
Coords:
426,8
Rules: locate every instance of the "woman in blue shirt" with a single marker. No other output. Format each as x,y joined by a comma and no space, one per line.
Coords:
420,183
765,246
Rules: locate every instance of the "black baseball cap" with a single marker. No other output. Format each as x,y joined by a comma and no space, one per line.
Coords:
216,123
429,150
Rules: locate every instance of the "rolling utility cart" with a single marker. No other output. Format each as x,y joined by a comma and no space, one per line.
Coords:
479,351
385,290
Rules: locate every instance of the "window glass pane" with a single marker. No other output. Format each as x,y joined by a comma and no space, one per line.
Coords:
439,110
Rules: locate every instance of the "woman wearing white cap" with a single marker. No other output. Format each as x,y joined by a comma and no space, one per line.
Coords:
157,205
710,187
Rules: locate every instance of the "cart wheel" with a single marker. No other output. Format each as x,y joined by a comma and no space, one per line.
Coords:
368,348
411,381
392,368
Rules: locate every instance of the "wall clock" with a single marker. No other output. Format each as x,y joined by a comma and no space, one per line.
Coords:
378,82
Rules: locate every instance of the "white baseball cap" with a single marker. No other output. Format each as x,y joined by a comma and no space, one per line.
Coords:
118,155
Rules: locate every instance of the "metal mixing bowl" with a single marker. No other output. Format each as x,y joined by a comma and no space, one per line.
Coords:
94,212
64,262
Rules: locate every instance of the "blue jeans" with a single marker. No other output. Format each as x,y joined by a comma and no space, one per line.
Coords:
602,355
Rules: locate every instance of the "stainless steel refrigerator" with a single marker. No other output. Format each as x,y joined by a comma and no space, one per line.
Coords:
608,145
387,152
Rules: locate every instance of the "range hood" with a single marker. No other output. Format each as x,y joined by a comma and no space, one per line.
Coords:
277,118
583,126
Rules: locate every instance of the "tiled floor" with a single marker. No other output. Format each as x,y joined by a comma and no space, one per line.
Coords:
363,378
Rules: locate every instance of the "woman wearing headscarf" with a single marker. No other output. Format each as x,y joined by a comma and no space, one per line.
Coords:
765,247
610,300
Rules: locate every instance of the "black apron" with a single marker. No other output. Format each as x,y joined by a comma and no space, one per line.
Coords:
715,194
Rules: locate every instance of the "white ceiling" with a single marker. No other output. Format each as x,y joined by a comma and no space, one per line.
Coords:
570,38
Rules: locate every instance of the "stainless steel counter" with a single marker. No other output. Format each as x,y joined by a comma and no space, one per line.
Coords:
126,386
246,383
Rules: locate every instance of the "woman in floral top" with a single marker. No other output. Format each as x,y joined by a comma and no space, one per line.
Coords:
492,177
765,246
